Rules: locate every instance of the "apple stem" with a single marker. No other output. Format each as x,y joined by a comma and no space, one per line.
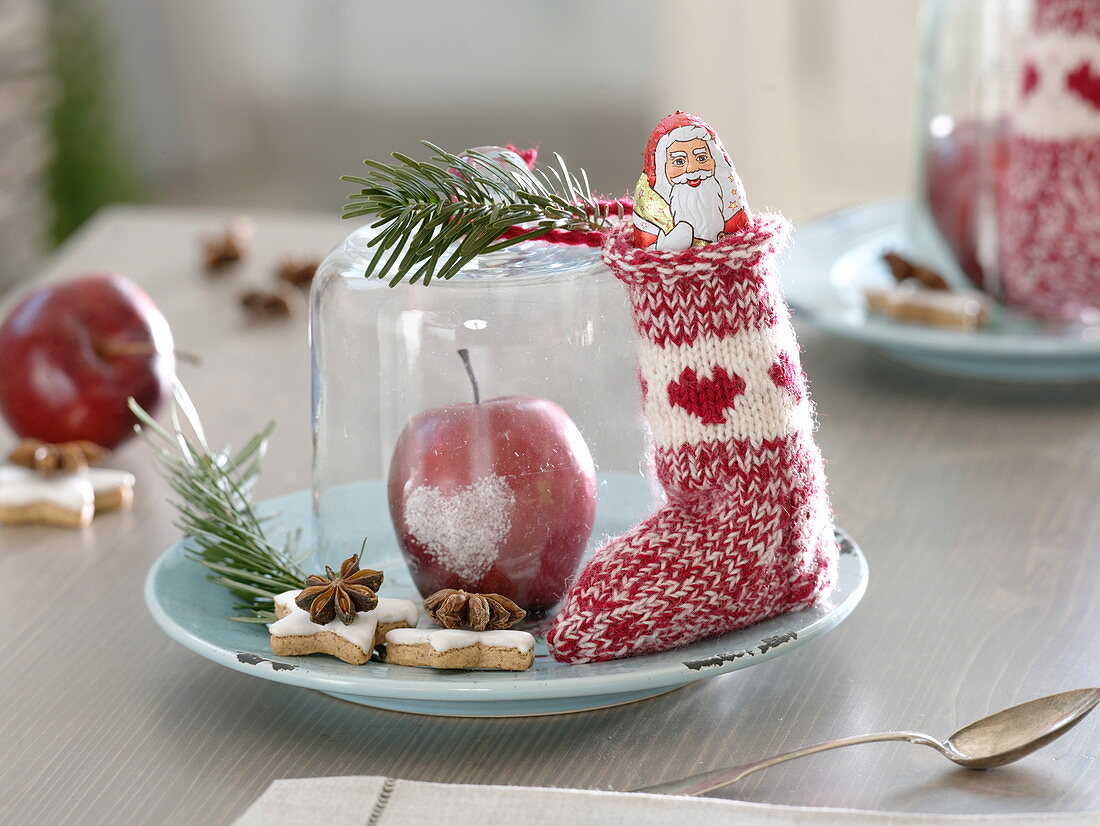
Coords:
464,354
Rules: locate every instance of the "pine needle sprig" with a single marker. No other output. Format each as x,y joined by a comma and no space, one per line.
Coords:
213,497
436,216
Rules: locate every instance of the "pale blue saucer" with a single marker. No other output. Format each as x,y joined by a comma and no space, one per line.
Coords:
193,612
833,258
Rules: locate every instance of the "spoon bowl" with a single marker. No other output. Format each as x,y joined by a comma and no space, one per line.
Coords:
1016,732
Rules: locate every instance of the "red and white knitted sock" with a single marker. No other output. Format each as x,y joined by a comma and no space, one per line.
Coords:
746,533
1049,201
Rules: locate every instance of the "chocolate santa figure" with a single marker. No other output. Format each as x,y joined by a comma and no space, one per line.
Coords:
689,193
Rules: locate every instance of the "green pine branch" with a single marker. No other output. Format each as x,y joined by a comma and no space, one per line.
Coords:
213,491
436,216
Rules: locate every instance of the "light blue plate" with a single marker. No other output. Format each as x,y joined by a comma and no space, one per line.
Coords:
833,258
193,612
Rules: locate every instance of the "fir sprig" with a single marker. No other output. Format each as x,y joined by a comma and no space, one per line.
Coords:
438,215
213,492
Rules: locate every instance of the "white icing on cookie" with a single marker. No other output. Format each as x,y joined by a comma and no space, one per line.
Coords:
447,639
462,531
362,629
20,487
104,480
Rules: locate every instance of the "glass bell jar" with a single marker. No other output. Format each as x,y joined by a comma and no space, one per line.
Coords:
1008,150
486,428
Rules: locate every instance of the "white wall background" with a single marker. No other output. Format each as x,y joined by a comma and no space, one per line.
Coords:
267,102
813,97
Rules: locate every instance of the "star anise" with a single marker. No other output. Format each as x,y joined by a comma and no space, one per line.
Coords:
298,268
230,245
263,304
340,595
478,612
64,457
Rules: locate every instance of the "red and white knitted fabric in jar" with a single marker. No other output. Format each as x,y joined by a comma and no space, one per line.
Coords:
746,533
1049,191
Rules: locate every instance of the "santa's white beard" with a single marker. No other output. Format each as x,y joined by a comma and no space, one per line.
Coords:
700,206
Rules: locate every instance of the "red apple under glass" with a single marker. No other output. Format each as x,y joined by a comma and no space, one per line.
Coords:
75,351
964,163
494,497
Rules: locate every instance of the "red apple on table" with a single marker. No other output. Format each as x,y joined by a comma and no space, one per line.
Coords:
72,353
493,496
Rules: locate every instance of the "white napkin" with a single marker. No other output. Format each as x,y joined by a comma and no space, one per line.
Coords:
380,801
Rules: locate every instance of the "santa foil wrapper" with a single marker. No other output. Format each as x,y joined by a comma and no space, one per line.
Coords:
689,193
746,532
1049,191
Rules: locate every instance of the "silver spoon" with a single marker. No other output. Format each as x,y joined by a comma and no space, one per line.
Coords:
993,741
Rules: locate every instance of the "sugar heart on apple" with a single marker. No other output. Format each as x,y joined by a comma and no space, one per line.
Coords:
75,351
494,496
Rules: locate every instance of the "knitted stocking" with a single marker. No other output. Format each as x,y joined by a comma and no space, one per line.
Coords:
1049,199
746,533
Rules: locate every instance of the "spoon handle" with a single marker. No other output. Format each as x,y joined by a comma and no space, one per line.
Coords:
709,781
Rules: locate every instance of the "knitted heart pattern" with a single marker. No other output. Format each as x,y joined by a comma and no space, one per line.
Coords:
1048,200
1085,83
746,533
706,398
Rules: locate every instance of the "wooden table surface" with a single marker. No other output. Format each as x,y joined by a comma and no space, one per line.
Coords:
976,504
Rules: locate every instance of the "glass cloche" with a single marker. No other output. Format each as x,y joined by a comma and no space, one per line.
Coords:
1008,148
489,411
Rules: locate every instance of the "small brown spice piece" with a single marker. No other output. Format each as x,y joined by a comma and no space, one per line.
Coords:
478,612
902,268
340,595
298,268
65,457
265,304
230,245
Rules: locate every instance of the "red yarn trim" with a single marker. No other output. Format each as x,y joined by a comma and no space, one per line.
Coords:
594,238
530,156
